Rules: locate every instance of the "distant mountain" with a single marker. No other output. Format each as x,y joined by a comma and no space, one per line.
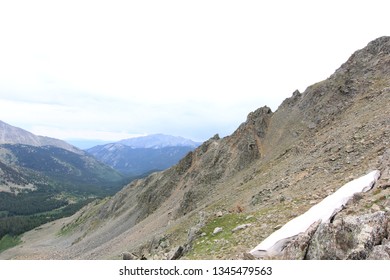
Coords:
42,179
84,144
52,158
13,135
157,141
142,155
55,167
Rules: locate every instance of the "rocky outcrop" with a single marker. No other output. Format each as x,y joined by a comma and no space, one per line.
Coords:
353,237
219,159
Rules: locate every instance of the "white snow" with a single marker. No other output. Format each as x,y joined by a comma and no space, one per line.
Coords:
323,211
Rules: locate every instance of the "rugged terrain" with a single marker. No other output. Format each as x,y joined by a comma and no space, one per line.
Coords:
229,194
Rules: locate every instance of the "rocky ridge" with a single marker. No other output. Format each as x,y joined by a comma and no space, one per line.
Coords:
274,167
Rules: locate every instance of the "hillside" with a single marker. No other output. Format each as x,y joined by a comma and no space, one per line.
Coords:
39,183
274,167
142,155
14,135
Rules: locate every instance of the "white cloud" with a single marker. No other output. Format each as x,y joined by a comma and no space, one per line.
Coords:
182,66
74,134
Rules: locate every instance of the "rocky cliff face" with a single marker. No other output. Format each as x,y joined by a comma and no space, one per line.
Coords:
275,166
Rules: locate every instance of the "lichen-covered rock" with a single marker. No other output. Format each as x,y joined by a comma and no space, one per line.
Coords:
381,252
353,237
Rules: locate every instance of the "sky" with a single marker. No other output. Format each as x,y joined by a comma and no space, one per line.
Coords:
109,70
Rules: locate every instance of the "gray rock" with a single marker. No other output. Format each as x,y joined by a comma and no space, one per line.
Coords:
193,232
277,227
297,248
128,256
165,244
380,252
217,230
353,237
375,207
241,227
177,253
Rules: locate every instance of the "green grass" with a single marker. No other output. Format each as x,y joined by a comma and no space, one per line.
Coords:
8,242
210,244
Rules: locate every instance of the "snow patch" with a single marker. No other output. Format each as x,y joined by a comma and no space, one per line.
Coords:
323,211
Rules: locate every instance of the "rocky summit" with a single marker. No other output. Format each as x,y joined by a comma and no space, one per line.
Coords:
229,194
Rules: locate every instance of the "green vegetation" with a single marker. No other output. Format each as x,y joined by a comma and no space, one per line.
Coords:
210,243
15,224
7,242
63,182
29,203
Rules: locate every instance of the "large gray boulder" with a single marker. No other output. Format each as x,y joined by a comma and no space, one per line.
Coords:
353,237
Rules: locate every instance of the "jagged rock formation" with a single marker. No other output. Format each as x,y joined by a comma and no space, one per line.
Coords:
274,167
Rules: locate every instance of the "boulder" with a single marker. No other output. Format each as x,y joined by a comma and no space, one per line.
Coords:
177,253
353,237
297,248
241,227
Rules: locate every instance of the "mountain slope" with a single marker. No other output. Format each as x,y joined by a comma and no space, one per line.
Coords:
13,135
56,166
274,167
141,155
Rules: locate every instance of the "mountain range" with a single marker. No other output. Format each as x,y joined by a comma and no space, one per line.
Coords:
44,161
157,141
142,155
43,178
226,196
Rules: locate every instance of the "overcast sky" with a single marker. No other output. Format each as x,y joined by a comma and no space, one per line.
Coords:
109,70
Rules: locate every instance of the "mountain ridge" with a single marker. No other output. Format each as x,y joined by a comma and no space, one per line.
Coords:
14,135
270,170
158,140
